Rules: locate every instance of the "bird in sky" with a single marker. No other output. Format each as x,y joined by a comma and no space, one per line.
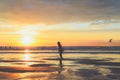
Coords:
110,40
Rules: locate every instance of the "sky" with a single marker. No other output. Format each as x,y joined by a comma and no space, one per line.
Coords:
73,22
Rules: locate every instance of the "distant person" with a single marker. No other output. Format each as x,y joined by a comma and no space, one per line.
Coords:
60,48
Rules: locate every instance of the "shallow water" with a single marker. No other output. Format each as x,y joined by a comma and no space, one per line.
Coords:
36,65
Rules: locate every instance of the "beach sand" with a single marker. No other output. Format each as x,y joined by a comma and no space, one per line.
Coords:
47,67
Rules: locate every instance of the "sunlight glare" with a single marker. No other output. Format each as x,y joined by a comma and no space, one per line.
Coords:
27,40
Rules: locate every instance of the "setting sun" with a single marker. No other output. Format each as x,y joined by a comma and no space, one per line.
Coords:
27,40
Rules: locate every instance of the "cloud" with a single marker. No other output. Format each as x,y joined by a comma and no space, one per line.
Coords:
59,11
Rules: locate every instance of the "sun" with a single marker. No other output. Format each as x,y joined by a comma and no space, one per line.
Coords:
27,40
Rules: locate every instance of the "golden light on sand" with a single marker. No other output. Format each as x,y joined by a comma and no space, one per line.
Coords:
27,40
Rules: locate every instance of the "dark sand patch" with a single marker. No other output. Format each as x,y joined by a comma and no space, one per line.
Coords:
104,62
42,65
73,59
97,62
115,74
17,69
115,70
91,74
87,72
19,63
114,77
47,65
57,58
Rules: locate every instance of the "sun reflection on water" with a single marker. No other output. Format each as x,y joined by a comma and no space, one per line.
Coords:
26,56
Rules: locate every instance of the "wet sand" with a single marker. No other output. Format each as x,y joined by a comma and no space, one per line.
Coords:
47,67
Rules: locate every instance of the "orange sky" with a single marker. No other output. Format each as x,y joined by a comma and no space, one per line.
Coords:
73,22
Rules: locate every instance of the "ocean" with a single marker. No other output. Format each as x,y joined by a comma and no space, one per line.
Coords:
43,63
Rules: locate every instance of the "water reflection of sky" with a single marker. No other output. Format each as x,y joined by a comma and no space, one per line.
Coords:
46,66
